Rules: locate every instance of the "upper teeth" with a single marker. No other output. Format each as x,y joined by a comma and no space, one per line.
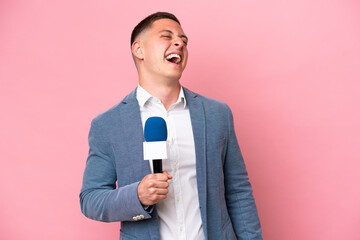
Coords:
178,58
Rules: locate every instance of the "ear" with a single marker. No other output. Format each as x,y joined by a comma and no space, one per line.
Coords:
137,51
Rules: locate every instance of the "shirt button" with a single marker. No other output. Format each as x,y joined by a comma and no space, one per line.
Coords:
181,229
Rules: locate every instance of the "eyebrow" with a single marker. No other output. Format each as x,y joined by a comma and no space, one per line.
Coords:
181,35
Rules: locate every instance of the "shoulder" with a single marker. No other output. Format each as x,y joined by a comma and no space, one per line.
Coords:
113,114
211,105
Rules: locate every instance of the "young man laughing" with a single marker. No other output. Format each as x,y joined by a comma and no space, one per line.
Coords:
204,191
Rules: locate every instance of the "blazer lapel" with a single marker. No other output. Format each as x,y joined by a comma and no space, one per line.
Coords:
198,123
133,130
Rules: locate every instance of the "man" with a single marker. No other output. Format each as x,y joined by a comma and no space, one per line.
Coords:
204,192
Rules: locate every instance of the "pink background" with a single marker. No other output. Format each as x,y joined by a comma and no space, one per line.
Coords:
289,70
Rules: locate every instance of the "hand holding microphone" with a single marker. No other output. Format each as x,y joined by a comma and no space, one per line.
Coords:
154,187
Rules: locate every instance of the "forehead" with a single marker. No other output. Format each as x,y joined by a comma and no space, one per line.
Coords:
166,24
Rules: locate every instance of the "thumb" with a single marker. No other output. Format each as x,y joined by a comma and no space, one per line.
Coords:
167,174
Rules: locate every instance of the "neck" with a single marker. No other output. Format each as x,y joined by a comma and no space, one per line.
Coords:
167,93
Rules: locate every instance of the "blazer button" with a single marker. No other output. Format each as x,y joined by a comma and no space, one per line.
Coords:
135,218
141,216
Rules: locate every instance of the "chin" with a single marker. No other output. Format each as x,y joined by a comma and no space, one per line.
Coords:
173,75
175,78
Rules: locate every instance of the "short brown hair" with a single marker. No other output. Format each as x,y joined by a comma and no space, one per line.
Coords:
145,23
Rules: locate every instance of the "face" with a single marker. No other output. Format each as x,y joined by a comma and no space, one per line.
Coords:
163,50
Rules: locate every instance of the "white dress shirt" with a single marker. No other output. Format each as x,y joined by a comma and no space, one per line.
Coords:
179,213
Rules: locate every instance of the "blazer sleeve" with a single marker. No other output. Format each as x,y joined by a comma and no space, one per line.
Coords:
238,191
99,198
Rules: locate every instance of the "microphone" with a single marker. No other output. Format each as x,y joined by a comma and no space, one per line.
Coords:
155,133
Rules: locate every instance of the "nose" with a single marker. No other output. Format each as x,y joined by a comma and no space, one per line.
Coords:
178,42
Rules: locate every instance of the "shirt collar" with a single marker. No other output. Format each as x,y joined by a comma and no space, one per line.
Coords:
143,96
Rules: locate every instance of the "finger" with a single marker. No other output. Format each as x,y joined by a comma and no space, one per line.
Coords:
153,199
159,191
167,174
157,184
156,199
161,184
156,194
160,176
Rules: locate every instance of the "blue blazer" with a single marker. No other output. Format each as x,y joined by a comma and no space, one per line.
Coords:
227,205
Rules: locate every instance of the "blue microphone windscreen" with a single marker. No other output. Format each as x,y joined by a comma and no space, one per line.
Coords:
155,129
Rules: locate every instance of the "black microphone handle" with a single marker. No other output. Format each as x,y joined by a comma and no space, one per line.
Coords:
157,166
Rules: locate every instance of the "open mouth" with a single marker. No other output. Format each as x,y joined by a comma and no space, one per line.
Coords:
174,58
